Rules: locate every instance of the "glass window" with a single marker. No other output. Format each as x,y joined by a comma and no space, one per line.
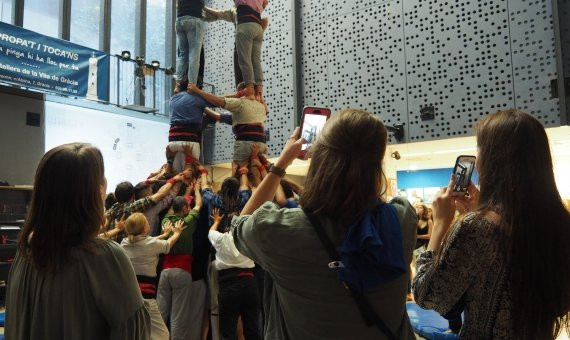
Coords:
42,16
156,31
85,15
6,11
123,26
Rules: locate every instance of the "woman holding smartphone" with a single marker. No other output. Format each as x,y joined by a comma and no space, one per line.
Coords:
304,297
506,264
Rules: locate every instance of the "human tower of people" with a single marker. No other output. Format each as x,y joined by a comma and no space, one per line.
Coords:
157,217
337,268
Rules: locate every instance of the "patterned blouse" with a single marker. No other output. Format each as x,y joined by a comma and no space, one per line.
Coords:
471,272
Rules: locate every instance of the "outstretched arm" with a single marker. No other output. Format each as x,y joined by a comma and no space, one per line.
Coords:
268,186
210,98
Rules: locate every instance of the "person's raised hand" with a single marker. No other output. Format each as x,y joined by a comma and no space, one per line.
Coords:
444,207
470,201
291,149
178,227
120,223
167,228
193,88
216,216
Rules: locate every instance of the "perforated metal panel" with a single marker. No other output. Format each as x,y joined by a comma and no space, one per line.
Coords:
279,84
564,22
464,58
277,62
534,58
458,60
366,61
352,55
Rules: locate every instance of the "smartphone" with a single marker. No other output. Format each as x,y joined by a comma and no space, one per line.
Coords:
312,122
462,171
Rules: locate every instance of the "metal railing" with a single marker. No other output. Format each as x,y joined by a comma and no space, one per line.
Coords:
131,84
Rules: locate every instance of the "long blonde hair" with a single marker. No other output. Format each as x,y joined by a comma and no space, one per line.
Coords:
134,226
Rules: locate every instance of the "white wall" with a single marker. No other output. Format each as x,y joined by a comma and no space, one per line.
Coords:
132,145
21,146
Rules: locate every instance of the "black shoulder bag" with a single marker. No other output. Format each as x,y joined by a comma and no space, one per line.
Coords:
370,317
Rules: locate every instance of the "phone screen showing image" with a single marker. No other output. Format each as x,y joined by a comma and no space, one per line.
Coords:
312,126
462,171
313,121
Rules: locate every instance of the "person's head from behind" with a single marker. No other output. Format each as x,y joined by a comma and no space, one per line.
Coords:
517,181
249,92
135,225
67,208
142,190
181,87
229,193
287,189
110,200
180,206
124,192
346,166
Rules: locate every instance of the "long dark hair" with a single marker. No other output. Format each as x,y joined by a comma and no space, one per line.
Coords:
67,205
345,174
229,194
517,181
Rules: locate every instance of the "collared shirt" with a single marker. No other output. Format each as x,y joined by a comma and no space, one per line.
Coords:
227,255
246,111
187,109
256,5
118,209
143,253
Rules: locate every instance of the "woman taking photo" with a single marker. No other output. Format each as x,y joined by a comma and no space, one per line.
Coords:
506,264
304,295
65,283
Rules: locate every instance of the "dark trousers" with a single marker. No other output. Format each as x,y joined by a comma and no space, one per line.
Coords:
239,296
237,71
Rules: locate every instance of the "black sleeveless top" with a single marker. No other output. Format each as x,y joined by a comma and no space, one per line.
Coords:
422,231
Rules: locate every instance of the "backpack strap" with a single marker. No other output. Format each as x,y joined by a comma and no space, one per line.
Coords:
368,314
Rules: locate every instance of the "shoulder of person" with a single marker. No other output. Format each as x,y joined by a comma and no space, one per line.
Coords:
404,208
271,215
475,223
99,249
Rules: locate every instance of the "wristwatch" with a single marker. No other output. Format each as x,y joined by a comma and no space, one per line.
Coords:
276,170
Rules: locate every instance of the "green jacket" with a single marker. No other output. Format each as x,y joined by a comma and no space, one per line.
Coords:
184,245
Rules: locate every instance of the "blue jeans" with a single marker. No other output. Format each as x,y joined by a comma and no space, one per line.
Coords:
189,40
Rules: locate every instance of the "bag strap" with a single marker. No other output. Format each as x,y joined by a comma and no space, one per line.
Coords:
368,314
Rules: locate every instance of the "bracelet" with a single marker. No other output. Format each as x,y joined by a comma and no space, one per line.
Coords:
277,171
172,181
203,171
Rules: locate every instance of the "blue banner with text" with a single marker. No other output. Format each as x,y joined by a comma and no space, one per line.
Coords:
36,61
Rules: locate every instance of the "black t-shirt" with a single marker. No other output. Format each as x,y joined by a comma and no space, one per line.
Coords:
202,246
189,7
